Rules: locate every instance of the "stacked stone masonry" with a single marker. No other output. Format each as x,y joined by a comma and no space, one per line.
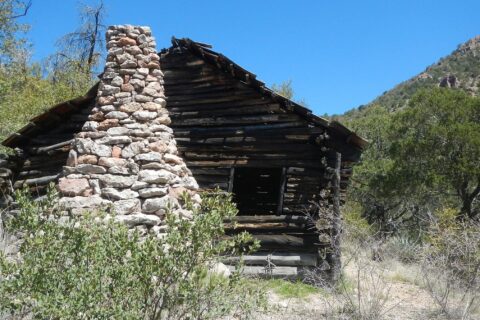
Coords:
125,158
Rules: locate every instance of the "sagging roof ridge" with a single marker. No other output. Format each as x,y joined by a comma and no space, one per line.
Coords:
225,64
222,62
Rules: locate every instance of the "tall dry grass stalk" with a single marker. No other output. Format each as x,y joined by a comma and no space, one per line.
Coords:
363,291
451,266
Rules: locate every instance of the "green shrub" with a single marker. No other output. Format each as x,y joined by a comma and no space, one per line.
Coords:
89,267
356,227
288,289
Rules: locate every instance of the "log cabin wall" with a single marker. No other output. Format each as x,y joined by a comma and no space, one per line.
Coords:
42,147
222,125
46,155
234,134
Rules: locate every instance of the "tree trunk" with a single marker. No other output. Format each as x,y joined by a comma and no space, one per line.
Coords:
93,38
467,210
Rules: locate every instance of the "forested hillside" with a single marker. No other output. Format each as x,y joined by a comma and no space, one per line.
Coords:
460,69
414,126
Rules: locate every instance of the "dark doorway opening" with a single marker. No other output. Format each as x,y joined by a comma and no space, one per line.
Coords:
257,190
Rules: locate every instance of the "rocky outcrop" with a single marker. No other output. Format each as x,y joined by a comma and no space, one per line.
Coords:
125,158
448,82
459,70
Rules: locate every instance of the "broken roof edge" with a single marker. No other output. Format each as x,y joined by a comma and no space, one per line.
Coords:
222,62
56,112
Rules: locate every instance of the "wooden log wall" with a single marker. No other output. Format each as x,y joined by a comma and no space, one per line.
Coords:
41,159
221,123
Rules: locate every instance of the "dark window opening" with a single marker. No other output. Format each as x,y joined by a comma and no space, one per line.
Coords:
257,190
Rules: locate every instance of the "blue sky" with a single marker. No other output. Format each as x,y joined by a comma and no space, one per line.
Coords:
339,54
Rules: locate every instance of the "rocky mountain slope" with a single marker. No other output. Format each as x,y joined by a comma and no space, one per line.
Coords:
460,69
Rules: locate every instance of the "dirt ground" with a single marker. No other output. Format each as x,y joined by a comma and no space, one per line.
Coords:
407,302
403,298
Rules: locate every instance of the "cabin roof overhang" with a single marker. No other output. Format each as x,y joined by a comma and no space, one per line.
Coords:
60,112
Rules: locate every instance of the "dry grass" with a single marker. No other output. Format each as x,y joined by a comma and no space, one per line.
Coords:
397,271
382,290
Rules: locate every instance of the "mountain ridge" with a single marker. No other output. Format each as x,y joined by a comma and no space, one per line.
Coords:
460,69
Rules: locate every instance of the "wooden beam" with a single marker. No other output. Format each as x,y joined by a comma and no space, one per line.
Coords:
269,218
265,226
41,150
230,179
275,272
36,181
278,259
335,257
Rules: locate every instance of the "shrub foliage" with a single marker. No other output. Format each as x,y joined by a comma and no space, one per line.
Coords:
89,267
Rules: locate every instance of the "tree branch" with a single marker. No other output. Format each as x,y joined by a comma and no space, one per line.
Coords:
24,13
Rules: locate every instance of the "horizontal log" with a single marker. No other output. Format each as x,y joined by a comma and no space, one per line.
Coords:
50,139
268,218
211,171
193,156
279,130
258,109
41,150
234,120
223,87
35,181
280,240
225,103
236,141
227,93
250,163
276,272
193,80
278,259
36,173
175,86
249,147
207,101
262,226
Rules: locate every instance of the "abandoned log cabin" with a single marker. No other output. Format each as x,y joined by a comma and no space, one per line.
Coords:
287,168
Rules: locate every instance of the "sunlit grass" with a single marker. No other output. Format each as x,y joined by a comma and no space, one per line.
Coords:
288,289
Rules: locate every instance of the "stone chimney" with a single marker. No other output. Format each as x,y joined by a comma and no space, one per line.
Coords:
125,158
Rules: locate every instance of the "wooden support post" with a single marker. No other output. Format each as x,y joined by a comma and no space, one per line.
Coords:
335,261
230,179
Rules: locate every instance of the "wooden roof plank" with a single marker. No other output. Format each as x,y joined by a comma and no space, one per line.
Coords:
222,62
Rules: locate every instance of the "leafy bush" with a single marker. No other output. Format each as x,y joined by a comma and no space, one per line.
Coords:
355,225
89,267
